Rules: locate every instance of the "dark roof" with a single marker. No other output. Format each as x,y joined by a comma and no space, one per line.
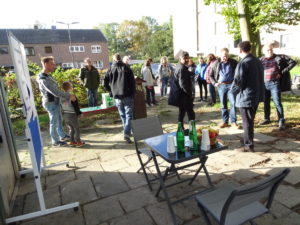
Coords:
51,36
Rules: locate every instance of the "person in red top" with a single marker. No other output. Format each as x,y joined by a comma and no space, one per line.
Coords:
276,70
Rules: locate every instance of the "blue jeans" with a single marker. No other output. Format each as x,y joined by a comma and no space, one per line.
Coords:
224,93
212,92
92,97
272,88
55,117
125,107
164,86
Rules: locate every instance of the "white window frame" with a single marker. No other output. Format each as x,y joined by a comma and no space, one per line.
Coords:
96,49
27,52
98,64
286,41
67,65
76,48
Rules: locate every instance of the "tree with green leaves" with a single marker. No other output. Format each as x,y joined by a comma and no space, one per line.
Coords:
258,14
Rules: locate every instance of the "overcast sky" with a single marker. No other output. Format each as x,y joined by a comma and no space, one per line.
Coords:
24,13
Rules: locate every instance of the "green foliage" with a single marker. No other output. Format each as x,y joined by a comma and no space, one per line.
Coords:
262,15
140,39
136,69
13,97
295,71
33,68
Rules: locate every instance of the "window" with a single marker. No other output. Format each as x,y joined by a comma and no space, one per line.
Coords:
29,51
98,64
3,50
221,28
48,49
286,41
96,48
67,65
76,48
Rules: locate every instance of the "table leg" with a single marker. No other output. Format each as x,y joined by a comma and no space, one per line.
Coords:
162,185
203,160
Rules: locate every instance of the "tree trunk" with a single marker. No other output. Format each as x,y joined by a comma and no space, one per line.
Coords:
243,20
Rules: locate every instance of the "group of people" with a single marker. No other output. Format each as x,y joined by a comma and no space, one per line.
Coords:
244,84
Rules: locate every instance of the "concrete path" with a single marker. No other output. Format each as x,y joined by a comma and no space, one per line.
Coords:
103,177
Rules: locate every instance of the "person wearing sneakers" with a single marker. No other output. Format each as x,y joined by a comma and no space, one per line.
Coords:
221,76
119,81
51,96
248,87
277,79
71,111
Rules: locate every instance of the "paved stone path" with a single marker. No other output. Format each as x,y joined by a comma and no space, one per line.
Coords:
102,177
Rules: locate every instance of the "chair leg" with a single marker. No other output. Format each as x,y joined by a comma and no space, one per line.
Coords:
207,220
164,178
144,171
144,164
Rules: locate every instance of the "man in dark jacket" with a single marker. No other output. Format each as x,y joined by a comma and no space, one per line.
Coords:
119,81
277,78
248,87
181,94
221,76
90,78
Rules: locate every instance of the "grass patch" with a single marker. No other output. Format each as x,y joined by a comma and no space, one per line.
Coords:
295,71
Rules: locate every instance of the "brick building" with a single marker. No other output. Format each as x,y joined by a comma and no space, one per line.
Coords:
55,42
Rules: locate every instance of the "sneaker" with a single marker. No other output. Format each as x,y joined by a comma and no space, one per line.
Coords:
281,126
73,143
59,144
65,138
236,126
127,139
223,125
245,149
264,122
79,144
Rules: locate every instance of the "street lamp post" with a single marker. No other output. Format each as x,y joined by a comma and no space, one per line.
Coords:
70,41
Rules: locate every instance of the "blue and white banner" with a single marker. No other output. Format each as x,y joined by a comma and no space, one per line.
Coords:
17,52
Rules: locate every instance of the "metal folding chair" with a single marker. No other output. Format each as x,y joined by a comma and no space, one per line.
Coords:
142,129
235,206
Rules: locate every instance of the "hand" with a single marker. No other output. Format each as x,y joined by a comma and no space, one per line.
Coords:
72,98
278,76
217,84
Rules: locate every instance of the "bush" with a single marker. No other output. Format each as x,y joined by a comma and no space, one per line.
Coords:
136,69
13,97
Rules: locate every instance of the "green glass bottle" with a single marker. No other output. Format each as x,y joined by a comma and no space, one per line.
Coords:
180,138
193,136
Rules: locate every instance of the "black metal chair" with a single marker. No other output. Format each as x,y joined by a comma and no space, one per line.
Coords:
235,206
142,129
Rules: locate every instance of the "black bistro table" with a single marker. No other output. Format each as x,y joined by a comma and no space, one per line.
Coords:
158,146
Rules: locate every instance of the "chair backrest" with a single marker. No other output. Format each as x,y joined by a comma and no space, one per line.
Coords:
262,191
146,128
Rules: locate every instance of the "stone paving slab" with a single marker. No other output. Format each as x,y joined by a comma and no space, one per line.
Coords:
102,210
81,191
51,196
60,178
114,165
109,183
133,179
144,195
288,196
88,168
65,217
137,217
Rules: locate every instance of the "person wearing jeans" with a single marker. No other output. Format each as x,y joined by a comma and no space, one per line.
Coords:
224,94
55,117
51,99
221,76
276,78
125,108
120,82
165,71
90,78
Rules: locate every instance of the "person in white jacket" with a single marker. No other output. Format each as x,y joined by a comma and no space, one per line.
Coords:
149,84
